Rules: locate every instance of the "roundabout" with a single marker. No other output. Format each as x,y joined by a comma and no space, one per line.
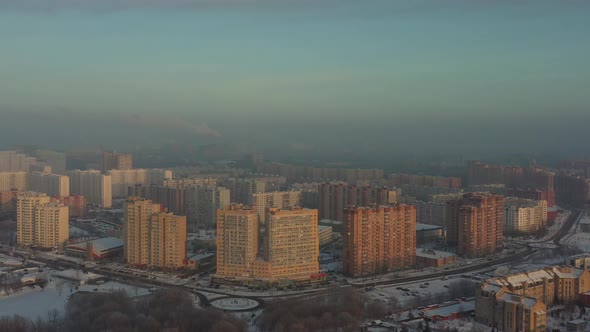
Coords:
235,304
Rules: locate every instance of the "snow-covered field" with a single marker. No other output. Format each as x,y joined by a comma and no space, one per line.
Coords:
35,302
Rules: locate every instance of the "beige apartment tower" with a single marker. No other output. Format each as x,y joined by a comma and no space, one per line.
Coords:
276,199
153,238
290,252
237,241
41,221
291,243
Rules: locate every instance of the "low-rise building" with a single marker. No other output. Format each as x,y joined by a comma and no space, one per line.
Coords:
521,314
433,258
558,284
580,261
96,249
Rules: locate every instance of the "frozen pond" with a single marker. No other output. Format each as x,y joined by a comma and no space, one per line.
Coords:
36,302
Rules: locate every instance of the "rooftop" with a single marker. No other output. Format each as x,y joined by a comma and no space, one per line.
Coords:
528,302
102,244
449,310
434,254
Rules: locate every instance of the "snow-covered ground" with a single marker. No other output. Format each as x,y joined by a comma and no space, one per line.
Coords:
577,238
580,241
36,302
414,290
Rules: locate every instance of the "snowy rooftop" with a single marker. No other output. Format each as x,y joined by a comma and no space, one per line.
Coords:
567,272
434,254
528,302
451,309
530,277
103,244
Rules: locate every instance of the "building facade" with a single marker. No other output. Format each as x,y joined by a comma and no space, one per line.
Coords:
202,203
114,160
524,215
549,286
276,199
77,205
241,190
14,180
153,238
290,253
336,197
50,184
92,184
237,242
41,221
378,239
121,180
475,224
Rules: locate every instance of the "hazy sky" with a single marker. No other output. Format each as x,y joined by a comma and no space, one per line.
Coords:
197,63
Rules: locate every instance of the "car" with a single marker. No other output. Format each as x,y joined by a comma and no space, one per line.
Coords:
446,286
427,283
399,288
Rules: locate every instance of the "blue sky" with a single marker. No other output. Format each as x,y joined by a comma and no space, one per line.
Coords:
302,59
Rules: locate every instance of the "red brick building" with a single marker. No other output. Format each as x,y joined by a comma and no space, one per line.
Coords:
378,239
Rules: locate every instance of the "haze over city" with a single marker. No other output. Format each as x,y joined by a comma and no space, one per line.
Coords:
495,75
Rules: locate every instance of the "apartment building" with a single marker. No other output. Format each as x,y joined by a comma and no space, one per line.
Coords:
14,180
549,286
241,190
475,224
335,197
276,199
50,184
121,180
115,160
153,238
524,215
202,203
92,184
41,221
378,239
289,254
